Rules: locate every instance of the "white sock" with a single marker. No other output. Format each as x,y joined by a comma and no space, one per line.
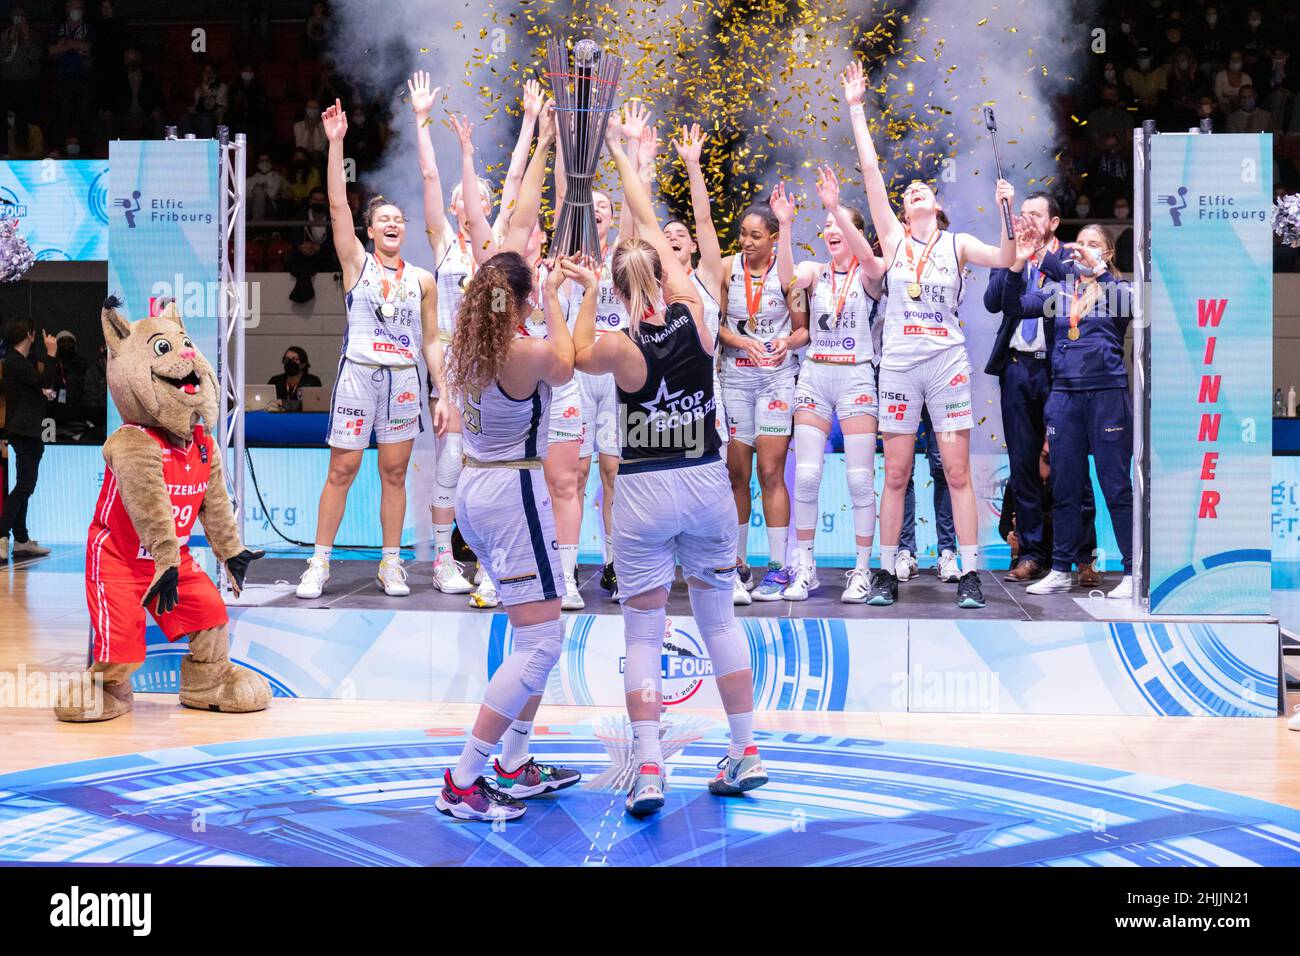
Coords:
390,554
514,745
864,557
472,759
645,743
323,551
776,538
888,557
803,553
441,539
609,548
742,733
742,542
969,558
569,559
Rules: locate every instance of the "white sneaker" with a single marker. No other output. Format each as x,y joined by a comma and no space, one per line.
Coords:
948,571
855,592
478,575
30,547
447,576
904,564
572,600
1294,722
485,595
391,578
803,580
740,596
1054,583
313,579
1124,590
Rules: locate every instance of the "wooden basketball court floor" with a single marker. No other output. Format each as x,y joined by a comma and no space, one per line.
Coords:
44,631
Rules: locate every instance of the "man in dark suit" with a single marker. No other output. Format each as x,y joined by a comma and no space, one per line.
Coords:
1021,361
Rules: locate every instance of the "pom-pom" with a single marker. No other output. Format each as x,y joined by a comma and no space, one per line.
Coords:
15,255
1286,220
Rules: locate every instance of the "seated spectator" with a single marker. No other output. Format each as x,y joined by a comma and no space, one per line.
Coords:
1110,176
303,179
21,53
266,190
1249,117
134,105
1254,41
309,132
1172,38
297,375
25,140
72,148
1110,119
314,250
1082,206
248,112
1229,82
1277,84
1146,81
70,57
1110,77
317,29
1209,110
1183,86
364,140
1212,42
211,98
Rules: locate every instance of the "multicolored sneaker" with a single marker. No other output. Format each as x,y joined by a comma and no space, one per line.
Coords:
884,589
481,801
448,576
485,595
737,776
609,580
773,584
803,580
533,779
646,795
970,596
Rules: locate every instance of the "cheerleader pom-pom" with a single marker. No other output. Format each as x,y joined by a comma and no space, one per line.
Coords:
1286,220
15,255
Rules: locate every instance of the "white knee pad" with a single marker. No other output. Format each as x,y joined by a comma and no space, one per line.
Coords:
643,665
446,471
859,475
524,672
715,614
809,452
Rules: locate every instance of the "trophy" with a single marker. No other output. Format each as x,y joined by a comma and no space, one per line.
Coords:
584,97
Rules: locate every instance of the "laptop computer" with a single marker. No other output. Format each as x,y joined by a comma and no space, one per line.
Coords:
258,398
315,398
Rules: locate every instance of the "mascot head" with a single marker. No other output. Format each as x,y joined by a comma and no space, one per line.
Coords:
156,375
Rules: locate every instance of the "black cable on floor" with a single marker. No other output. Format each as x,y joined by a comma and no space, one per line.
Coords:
266,516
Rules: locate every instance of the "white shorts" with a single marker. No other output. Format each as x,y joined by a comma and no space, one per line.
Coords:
848,391
566,422
759,407
940,383
600,414
684,515
505,516
724,431
384,398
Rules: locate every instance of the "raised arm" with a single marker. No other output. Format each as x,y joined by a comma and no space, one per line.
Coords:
436,227
784,209
557,329
636,118
352,255
888,228
476,224
529,205
533,99
871,266
690,148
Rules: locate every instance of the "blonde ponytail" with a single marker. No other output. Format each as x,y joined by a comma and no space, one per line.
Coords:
638,277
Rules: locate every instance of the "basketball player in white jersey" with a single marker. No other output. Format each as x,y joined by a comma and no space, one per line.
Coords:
392,314
706,273
503,382
837,378
764,322
673,503
924,360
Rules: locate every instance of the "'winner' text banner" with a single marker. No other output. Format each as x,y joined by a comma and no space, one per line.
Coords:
164,233
1211,319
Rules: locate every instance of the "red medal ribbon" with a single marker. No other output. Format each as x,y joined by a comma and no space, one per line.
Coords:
384,285
754,297
844,293
925,254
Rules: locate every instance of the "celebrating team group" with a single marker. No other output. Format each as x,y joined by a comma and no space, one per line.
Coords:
674,366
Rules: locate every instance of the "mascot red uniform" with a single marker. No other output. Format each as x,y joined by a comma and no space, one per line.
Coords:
163,475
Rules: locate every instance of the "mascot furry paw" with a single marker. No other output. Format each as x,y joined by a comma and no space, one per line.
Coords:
163,473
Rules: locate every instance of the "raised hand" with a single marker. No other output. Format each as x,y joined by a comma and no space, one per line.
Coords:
691,145
1028,238
580,270
464,132
533,99
1005,192
783,206
554,276
855,83
546,124
649,148
423,96
636,117
828,187
613,128
335,121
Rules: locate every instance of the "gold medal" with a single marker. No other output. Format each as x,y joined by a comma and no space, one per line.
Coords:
914,290
1073,333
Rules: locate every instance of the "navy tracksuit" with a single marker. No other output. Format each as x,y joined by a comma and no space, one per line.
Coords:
1090,409
1026,385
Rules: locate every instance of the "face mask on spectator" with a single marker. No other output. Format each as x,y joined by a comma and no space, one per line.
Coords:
1211,18
1109,74
1254,22
1081,209
1144,63
291,367
1247,104
72,149
74,16
1125,27
12,120
18,20
247,76
1234,65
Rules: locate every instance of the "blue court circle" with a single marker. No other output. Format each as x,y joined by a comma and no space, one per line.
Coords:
368,799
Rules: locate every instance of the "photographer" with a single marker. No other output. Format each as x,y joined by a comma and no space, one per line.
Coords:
27,387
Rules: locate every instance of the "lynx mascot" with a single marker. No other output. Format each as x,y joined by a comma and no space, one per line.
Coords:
163,473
